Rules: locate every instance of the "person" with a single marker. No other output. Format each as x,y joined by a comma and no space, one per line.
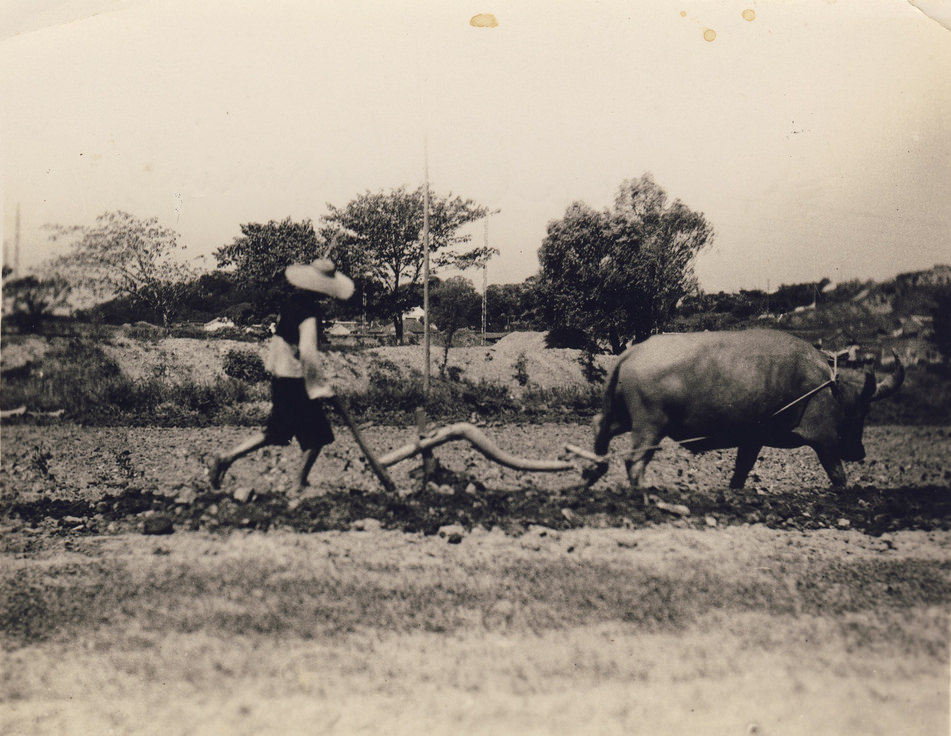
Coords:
298,385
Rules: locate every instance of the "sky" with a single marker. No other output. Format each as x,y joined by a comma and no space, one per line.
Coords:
814,135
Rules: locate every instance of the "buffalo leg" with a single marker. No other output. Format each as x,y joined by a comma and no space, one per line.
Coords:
832,464
644,448
605,429
745,459
635,470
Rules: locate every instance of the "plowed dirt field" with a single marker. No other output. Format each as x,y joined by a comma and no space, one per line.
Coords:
137,600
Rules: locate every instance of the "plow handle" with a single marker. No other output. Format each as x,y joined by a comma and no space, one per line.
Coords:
378,469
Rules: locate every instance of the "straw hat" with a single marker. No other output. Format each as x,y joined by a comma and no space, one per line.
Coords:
320,276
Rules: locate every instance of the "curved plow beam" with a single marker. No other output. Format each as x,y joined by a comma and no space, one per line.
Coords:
478,439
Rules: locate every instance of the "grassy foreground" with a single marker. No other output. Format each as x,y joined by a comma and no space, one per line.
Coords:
587,631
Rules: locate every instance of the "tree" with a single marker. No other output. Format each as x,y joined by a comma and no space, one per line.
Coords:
475,258
511,307
34,298
381,246
259,256
454,303
617,274
124,256
502,306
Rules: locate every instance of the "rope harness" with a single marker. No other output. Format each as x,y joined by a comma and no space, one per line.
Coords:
634,455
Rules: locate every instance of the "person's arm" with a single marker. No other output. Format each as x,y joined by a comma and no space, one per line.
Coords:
314,380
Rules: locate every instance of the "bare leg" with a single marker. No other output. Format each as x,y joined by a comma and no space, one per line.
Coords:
745,459
309,458
219,464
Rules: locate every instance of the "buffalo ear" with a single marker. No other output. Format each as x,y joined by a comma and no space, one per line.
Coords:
868,390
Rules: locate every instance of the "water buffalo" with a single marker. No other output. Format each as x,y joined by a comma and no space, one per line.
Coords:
746,389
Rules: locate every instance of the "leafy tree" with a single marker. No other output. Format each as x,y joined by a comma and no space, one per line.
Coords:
34,298
210,295
502,306
454,303
259,256
789,296
512,307
381,246
618,273
124,256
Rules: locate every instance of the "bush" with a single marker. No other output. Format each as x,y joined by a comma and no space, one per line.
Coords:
77,377
392,398
244,365
592,372
568,337
521,370
144,332
564,402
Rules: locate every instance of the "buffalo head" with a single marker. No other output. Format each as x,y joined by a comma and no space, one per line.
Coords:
856,405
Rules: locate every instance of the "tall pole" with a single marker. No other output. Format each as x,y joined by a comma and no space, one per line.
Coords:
485,272
426,268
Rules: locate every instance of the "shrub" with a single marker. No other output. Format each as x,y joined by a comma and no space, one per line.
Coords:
76,376
382,373
592,372
562,402
244,365
521,370
144,332
393,398
568,337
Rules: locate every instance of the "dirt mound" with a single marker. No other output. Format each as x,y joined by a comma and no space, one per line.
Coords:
520,356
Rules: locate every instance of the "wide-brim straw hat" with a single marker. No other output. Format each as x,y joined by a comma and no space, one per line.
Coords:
320,276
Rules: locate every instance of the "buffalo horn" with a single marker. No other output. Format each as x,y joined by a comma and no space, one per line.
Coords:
892,382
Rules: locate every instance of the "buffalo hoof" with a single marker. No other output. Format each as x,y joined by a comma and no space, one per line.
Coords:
592,474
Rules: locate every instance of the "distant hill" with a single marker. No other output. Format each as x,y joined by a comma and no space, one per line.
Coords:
877,316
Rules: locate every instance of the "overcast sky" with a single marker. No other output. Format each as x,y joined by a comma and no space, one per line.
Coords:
815,135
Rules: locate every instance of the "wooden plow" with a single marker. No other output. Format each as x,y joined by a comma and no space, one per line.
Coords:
428,439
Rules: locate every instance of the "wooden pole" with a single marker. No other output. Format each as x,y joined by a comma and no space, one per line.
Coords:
429,460
375,465
485,271
426,269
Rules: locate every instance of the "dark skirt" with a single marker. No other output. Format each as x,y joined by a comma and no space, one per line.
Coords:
294,414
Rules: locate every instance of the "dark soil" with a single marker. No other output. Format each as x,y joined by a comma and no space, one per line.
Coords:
76,481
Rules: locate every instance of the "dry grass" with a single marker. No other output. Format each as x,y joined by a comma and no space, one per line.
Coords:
673,632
